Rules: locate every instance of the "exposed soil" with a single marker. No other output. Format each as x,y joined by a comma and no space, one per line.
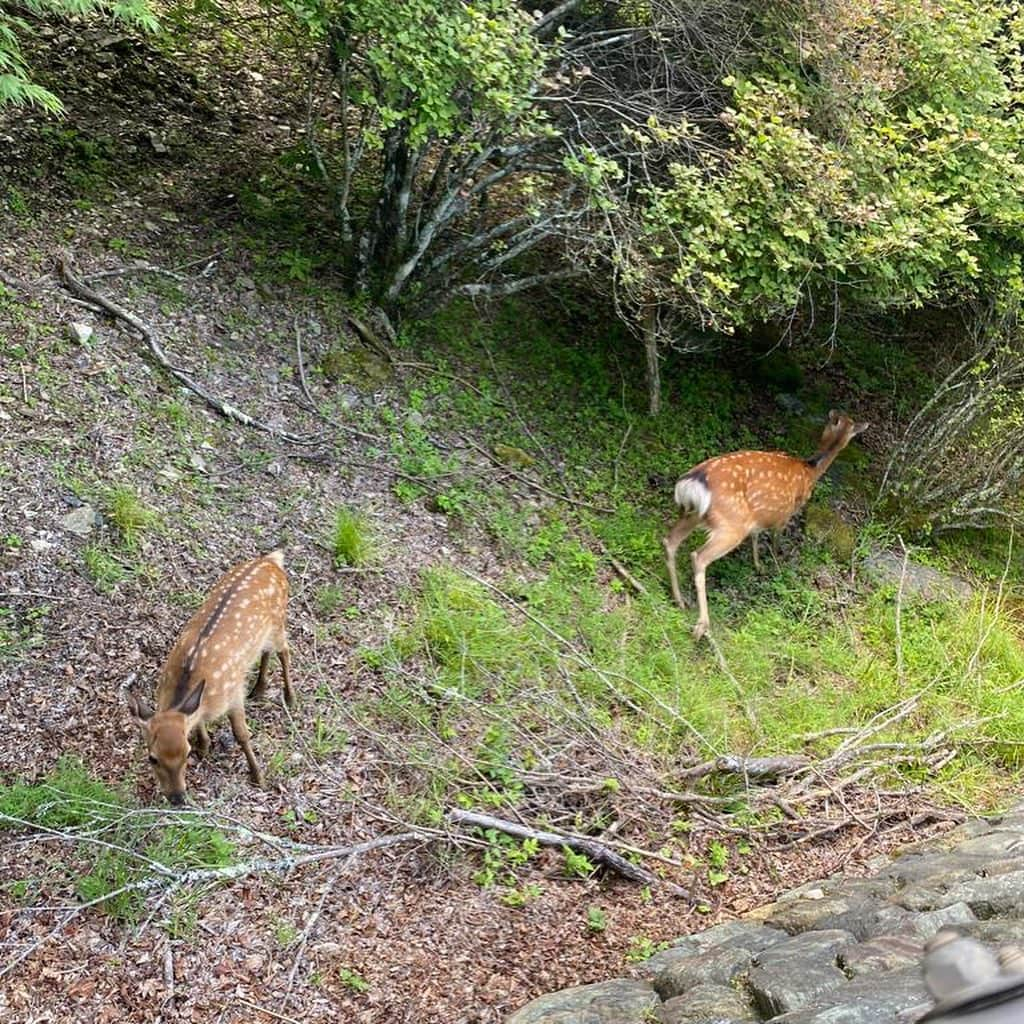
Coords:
431,945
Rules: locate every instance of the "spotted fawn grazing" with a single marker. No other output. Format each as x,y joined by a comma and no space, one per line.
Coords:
204,676
738,495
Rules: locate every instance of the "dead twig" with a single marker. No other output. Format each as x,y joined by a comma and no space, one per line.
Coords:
225,409
313,407
533,483
590,847
622,570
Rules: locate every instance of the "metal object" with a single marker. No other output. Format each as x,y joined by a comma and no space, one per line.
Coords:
971,984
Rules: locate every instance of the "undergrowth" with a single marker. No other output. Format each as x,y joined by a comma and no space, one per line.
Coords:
120,846
486,685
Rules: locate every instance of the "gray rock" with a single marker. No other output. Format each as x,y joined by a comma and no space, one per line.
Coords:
808,914
925,925
996,933
920,580
865,1001
821,947
1002,843
1001,896
797,973
707,1004
880,954
80,333
717,966
80,521
608,1002
738,935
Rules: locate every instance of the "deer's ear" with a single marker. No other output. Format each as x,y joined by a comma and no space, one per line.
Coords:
140,711
859,428
833,417
190,705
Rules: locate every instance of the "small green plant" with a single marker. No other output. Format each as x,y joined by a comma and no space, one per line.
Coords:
642,948
106,570
329,599
521,896
597,919
577,865
351,543
285,933
69,799
128,513
352,980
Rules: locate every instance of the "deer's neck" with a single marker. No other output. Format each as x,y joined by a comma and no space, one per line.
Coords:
818,464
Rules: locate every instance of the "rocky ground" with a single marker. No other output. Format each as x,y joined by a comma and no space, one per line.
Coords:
847,950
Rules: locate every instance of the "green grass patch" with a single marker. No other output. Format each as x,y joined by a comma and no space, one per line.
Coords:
117,847
351,541
128,514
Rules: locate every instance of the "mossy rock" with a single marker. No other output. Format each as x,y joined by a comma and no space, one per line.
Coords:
354,365
826,527
515,458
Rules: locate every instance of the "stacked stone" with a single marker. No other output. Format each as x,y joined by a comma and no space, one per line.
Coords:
842,951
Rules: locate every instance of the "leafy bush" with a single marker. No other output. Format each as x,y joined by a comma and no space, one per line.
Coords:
874,160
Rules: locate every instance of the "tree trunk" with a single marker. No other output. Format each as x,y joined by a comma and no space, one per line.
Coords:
653,366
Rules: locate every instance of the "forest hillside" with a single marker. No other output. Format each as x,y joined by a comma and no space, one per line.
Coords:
441,301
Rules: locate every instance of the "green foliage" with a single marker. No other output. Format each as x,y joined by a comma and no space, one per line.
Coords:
128,513
577,865
132,846
352,980
642,948
429,69
876,158
597,919
350,538
16,87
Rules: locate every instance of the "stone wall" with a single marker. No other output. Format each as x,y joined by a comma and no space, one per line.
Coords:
841,951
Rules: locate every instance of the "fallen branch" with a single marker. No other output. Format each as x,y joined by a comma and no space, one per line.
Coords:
533,483
749,767
225,409
165,877
313,407
591,848
622,570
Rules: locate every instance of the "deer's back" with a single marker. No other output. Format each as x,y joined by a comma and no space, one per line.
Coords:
756,490
240,618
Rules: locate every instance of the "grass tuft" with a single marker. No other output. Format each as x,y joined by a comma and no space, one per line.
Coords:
350,540
128,513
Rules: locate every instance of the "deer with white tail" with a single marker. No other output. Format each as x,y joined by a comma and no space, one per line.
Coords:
205,675
738,495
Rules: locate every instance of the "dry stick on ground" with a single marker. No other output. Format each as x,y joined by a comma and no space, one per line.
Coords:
622,570
533,483
169,878
225,409
590,847
751,767
313,407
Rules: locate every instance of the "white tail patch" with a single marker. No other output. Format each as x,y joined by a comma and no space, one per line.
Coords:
693,496
277,557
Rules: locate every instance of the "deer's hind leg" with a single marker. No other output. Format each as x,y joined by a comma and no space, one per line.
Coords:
261,680
721,540
683,527
284,656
